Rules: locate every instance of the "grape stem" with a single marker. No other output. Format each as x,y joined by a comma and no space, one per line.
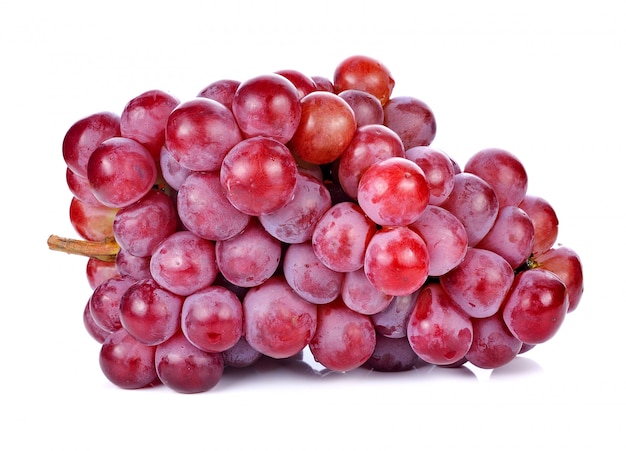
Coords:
105,250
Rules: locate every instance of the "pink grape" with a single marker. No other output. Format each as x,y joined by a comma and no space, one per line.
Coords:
204,209
79,187
545,222
493,344
511,236
360,295
259,176
186,369
126,362
341,237
149,313
344,339
364,73
222,91
392,355
323,83
99,271
92,222
474,203
278,322
567,266
96,332
438,170
412,120
503,172
144,119
396,261
367,108
303,83
212,319
241,354
438,330
326,127
249,258
445,238
536,306
184,263
295,221
370,144
130,265
267,105
308,276
120,172
104,303
480,283
392,321
393,192
172,172
141,226
191,131
84,136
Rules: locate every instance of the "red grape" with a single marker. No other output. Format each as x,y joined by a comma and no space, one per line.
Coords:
364,74
127,362
412,120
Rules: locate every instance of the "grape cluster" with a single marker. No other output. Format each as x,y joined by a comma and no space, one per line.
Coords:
287,211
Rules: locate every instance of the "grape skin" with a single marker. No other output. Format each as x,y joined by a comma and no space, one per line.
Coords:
127,362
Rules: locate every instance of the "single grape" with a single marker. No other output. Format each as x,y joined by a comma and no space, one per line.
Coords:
172,172
204,209
344,339
184,263
79,187
200,132
445,238
393,192
566,264
370,144
84,136
391,322
360,295
259,176
438,330
475,204
503,172
438,170
295,221
127,264
511,236
120,172
308,276
144,119
303,83
493,345
241,354
249,258
323,83
392,355
536,306
104,303
367,108
412,120
141,226
396,261
278,322
545,222
186,369
99,271
222,91
341,237
212,319
149,313
480,283
326,127
92,222
96,332
267,105
364,74
126,362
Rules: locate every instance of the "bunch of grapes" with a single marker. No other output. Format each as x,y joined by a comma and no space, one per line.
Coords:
287,211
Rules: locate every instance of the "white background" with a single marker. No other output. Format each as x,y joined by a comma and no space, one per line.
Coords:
542,79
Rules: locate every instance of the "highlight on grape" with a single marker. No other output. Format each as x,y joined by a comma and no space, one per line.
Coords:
295,211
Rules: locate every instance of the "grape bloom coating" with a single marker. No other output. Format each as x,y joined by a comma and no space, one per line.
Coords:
293,213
